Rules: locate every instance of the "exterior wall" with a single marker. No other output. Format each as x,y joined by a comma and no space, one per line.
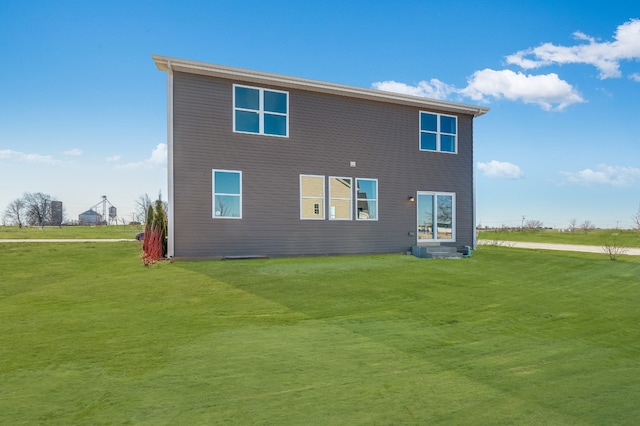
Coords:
326,133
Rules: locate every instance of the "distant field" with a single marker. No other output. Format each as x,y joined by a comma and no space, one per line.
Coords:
90,336
626,238
73,232
596,237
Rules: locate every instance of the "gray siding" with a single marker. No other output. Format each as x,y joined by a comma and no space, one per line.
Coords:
326,133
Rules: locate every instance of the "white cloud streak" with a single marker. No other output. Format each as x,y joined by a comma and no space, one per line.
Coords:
547,91
635,77
605,56
434,88
604,175
73,152
500,169
113,159
7,154
158,158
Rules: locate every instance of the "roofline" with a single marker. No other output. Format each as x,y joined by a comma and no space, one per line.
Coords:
165,63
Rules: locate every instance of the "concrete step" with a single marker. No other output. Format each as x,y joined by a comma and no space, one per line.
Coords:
441,249
436,252
445,256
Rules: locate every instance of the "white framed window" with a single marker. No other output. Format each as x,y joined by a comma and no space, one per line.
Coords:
436,216
311,197
366,199
227,194
340,199
260,111
438,132
340,195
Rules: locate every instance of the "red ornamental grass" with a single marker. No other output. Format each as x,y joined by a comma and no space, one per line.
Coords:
152,246
145,239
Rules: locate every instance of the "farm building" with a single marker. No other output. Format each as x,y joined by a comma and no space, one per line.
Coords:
90,217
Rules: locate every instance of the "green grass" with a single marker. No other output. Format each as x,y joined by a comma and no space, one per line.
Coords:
596,237
69,232
90,336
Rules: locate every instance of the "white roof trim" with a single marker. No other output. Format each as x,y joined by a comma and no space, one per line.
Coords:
165,63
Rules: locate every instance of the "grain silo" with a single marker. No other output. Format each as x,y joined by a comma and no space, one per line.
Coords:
56,213
90,217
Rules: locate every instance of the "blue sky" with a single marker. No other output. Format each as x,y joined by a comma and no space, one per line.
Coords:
83,108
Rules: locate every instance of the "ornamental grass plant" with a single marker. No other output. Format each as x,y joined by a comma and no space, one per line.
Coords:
154,244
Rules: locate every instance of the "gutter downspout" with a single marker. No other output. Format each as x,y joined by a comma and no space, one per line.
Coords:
170,189
473,178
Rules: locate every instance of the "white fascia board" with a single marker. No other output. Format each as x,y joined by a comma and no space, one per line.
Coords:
170,180
257,77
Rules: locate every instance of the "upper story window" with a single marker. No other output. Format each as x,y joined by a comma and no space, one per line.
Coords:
227,194
260,111
438,132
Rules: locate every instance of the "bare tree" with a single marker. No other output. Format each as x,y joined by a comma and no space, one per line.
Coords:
15,213
587,226
37,207
636,219
142,206
533,224
573,225
612,247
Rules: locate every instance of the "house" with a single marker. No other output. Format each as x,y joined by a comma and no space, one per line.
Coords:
90,217
263,164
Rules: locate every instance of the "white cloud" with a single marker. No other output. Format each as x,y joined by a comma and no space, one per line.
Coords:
73,152
604,175
158,155
158,158
7,154
605,56
543,90
434,88
500,169
548,91
113,159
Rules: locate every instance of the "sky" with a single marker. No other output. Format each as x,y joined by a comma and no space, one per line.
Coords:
83,107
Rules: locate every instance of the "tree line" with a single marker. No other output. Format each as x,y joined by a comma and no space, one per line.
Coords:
39,209
33,209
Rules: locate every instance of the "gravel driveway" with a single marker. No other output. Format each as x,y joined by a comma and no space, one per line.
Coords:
561,247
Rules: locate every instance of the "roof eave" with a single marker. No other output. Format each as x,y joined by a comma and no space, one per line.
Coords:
164,63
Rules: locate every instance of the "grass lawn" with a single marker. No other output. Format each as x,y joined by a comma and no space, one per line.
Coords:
596,237
90,336
69,232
